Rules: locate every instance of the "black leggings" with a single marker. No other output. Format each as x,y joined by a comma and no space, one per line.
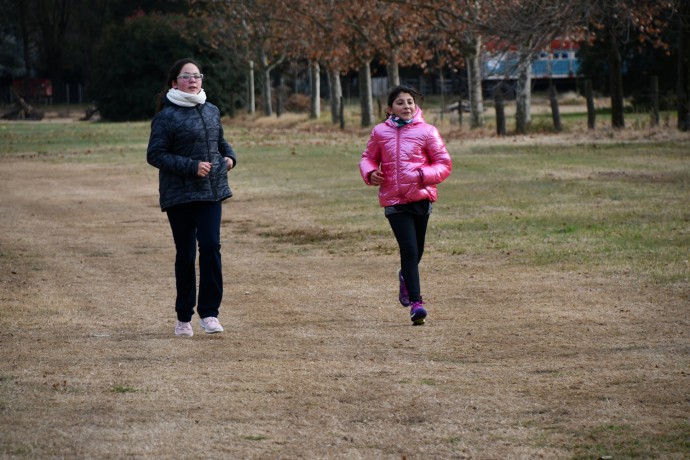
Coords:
410,230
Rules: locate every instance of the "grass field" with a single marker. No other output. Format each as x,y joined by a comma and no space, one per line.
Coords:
557,273
620,207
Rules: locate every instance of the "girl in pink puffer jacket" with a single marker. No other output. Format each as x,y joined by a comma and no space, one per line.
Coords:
406,158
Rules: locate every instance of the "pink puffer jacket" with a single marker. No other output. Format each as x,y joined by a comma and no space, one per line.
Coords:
413,160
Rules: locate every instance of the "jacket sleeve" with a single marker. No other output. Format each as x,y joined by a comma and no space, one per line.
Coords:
440,164
371,158
224,148
159,153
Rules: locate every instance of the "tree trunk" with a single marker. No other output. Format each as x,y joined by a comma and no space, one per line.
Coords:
393,69
523,99
555,111
279,106
655,99
24,27
443,94
267,93
591,111
315,81
499,106
365,97
615,79
231,106
460,112
683,84
342,113
474,81
266,83
280,97
336,91
251,91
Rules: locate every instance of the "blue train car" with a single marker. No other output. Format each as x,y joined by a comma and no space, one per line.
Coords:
560,61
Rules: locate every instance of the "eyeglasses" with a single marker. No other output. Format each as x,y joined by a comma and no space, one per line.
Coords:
188,76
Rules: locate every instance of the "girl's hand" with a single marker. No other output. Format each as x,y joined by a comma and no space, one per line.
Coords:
376,178
204,169
230,163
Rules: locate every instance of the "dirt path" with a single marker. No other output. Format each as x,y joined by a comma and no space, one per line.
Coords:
316,360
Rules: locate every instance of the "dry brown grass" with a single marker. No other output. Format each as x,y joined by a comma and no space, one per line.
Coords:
318,360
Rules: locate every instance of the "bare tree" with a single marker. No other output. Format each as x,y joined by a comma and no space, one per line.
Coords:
224,26
524,28
261,28
532,24
455,23
363,33
349,36
380,30
400,24
617,24
321,40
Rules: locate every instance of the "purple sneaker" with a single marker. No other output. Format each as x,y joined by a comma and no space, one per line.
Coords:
403,296
418,313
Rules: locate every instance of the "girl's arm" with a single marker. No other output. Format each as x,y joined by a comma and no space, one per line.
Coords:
371,159
440,164
225,148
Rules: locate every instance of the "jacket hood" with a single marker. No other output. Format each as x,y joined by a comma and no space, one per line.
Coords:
418,117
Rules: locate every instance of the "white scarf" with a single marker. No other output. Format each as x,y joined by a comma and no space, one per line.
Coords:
183,99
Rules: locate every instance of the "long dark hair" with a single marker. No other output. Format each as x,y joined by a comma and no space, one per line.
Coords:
395,92
172,76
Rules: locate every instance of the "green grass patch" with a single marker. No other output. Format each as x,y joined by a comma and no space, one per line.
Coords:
624,441
123,389
259,437
88,141
616,208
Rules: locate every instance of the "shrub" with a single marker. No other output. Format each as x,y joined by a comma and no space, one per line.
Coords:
131,65
299,103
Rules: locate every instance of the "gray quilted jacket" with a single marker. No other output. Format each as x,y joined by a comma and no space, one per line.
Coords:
181,138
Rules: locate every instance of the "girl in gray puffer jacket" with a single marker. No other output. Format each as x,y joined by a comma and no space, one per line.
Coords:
188,147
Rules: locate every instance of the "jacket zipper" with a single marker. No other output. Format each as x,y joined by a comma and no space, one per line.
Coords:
397,159
208,152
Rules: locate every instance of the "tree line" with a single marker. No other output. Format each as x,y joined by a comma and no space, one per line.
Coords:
251,49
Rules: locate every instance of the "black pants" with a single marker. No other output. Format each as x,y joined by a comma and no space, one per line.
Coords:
192,222
410,230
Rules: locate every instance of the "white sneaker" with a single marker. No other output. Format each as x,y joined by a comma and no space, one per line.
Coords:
211,325
183,329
